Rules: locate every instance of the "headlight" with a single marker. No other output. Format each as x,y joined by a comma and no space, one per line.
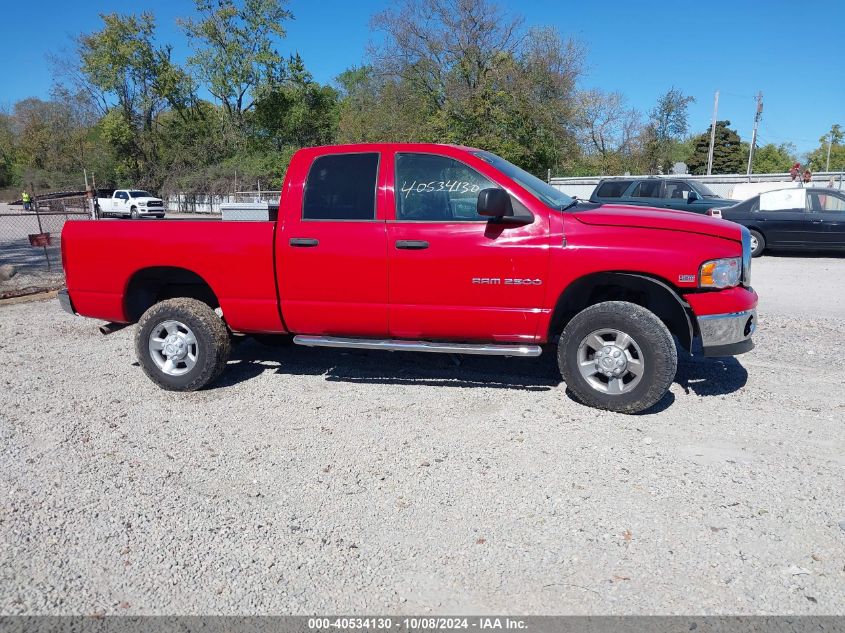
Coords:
720,273
142,204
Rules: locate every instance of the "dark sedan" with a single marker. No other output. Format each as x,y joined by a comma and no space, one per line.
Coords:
792,219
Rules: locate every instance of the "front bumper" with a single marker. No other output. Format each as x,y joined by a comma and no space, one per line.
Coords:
65,302
727,334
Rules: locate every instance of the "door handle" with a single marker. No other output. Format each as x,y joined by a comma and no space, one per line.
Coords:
411,245
303,242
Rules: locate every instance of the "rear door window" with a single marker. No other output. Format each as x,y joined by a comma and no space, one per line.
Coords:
784,200
646,189
341,187
612,188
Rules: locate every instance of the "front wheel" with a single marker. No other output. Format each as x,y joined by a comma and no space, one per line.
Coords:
182,344
133,213
617,356
758,243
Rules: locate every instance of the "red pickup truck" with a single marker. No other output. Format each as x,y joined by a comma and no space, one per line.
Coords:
427,248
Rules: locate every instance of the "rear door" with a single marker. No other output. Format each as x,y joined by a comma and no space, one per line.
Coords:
332,249
647,193
827,218
453,274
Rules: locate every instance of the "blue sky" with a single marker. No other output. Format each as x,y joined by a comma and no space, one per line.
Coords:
639,48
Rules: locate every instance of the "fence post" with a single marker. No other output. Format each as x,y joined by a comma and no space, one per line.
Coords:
41,230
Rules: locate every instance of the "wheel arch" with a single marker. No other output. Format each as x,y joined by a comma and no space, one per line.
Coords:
149,286
652,293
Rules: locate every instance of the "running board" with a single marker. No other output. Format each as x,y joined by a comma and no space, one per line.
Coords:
393,345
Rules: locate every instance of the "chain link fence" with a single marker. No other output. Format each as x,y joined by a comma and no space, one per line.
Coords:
210,203
30,244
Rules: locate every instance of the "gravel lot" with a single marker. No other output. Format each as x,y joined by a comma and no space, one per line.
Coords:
322,481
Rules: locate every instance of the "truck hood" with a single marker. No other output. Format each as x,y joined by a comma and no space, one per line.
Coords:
662,219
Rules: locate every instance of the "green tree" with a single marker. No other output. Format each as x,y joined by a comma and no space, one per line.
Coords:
667,125
296,111
727,151
817,159
608,132
770,158
133,80
7,151
464,71
234,48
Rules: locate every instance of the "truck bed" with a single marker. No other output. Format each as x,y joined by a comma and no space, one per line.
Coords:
236,259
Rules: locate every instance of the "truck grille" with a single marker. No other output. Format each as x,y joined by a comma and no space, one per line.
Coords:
155,203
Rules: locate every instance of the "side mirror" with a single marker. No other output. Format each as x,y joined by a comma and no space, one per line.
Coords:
494,203
692,196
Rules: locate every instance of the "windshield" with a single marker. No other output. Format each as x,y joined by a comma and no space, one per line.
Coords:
140,194
705,191
541,189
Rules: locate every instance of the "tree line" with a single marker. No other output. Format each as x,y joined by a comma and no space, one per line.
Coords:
448,71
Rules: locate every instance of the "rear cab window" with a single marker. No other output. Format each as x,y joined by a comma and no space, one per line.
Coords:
341,187
612,188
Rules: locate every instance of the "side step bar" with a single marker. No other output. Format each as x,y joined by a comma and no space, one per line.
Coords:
419,346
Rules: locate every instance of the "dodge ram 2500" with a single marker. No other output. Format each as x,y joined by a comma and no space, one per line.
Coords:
426,248
131,203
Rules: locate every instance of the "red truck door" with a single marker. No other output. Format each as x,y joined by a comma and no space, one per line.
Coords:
332,248
452,273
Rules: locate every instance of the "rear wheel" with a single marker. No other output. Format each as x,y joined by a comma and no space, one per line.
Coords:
182,344
617,356
758,243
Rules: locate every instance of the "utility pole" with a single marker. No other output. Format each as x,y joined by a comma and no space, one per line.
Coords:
712,134
757,118
829,143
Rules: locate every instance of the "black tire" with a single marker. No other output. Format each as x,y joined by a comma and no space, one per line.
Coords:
133,213
212,343
652,340
761,243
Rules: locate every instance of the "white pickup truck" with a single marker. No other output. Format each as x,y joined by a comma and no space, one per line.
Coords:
131,203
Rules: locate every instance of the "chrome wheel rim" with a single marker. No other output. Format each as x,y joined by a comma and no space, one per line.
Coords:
173,348
754,243
611,361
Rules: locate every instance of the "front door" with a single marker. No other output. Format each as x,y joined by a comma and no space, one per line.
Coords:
827,218
452,273
676,195
332,251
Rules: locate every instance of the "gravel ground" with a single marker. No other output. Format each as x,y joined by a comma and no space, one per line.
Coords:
323,481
